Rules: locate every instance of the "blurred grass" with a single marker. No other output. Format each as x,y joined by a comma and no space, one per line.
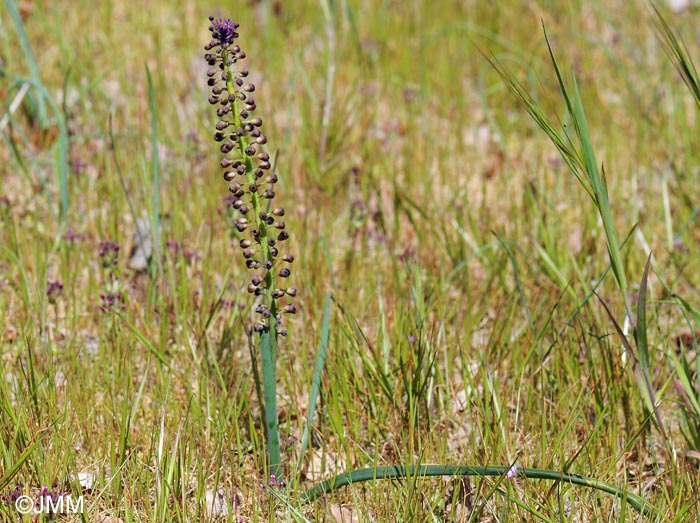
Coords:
401,189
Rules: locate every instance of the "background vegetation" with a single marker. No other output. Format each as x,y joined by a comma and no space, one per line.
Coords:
460,252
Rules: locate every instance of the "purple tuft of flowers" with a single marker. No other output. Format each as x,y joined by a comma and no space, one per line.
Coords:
223,32
108,251
12,495
53,495
53,290
112,300
71,236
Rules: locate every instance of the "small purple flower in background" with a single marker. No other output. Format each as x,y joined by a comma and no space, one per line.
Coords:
512,471
71,236
112,300
11,497
53,495
79,165
53,290
412,339
108,252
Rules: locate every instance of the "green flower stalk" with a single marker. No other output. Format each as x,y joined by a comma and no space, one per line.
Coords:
248,169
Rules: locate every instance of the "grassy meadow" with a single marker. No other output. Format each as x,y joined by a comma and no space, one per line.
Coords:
488,306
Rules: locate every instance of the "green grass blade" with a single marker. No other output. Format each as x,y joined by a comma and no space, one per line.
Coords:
29,59
643,379
11,471
678,53
154,262
316,379
371,474
640,331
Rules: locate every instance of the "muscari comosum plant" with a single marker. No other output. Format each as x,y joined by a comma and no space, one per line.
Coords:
247,168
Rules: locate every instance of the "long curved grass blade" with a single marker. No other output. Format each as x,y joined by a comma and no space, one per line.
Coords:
29,59
371,474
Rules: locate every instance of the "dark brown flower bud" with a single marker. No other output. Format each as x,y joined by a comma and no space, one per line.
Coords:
269,194
290,309
279,225
248,253
272,178
292,291
245,243
257,122
251,288
284,235
243,209
278,211
250,150
256,280
263,157
261,140
258,327
285,273
229,175
221,125
288,258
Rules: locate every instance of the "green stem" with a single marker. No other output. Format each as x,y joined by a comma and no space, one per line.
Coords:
391,472
268,350
268,338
